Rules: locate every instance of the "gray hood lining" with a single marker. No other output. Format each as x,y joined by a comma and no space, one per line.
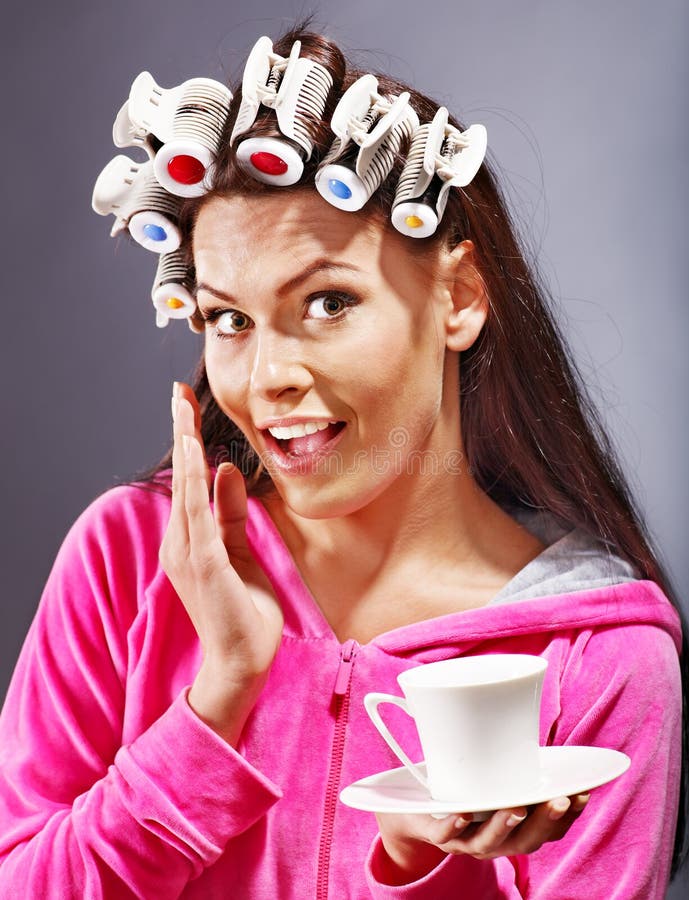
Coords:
574,560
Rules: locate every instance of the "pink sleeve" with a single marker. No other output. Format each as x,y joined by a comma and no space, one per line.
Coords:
620,688
456,878
80,814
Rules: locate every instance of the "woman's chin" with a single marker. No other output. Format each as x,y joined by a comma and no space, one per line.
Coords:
331,497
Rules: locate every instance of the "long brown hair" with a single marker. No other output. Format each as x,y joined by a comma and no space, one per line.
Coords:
532,435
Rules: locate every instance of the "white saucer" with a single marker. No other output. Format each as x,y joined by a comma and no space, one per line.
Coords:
564,771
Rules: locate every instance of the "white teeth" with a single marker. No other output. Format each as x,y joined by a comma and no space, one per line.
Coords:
286,432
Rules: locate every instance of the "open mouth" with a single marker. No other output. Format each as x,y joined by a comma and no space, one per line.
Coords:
301,443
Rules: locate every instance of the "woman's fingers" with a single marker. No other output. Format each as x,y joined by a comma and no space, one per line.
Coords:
201,526
230,507
560,814
229,492
184,427
182,391
440,831
546,822
209,536
579,802
519,831
177,513
486,839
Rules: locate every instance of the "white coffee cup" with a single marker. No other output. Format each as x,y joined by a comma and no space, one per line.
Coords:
477,719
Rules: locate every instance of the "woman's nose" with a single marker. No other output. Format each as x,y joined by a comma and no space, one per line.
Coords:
278,366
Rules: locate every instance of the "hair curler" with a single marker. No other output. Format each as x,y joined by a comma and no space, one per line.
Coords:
439,158
130,191
296,88
180,128
369,130
171,292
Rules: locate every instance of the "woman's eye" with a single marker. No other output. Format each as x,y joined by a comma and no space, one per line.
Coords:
229,322
327,306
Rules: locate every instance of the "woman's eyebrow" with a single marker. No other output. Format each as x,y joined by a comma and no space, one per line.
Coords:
320,265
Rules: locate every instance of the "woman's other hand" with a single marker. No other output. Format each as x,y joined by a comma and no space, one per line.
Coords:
229,600
415,844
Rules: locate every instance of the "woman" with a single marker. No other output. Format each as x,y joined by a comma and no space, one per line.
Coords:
425,481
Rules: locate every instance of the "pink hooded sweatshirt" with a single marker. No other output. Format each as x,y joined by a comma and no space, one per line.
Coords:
112,787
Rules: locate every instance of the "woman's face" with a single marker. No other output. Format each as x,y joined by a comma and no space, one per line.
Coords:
326,344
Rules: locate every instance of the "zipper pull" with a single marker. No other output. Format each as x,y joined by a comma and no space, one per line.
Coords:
344,671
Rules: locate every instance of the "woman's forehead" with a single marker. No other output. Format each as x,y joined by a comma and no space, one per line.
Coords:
240,241
272,223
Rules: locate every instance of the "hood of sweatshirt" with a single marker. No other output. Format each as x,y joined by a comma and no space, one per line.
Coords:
574,560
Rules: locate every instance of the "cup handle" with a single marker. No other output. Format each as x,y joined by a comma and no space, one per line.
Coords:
371,702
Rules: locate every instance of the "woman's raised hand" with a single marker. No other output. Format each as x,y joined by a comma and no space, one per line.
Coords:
228,598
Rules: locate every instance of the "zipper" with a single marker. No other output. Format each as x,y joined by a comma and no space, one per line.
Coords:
340,708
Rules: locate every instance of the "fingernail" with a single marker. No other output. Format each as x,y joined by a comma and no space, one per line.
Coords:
558,808
463,821
187,442
580,802
514,819
176,392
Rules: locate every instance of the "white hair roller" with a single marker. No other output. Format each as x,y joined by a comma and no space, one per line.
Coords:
171,292
369,129
130,191
296,88
439,158
180,127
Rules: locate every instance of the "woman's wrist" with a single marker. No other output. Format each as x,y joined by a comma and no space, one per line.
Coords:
406,860
223,699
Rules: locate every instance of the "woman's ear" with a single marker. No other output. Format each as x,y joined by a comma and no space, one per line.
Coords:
468,301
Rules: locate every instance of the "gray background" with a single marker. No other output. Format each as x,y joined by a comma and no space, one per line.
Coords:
586,109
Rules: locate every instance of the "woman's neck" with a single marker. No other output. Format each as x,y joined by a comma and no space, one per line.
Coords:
433,535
